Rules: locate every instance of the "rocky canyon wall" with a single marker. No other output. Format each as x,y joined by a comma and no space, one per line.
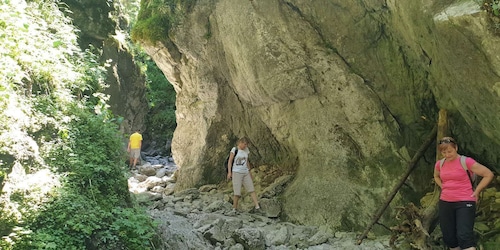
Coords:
103,25
339,93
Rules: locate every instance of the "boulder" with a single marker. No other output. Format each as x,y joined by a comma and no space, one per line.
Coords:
158,189
218,205
140,177
238,246
277,187
147,170
192,191
222,230
319,238
147,197
277,237
161,172
250,238
270,207
152,181
169,189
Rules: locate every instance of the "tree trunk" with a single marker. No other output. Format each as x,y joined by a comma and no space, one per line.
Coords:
430,212
411,166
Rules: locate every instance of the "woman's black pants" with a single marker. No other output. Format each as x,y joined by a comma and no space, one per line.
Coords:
457,223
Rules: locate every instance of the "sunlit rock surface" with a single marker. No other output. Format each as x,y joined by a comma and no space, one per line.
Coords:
338,93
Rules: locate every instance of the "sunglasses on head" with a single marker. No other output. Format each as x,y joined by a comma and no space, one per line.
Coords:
447,141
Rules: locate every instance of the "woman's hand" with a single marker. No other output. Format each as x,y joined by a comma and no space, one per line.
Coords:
483,172
229,176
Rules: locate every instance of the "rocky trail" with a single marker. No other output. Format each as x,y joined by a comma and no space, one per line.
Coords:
203,218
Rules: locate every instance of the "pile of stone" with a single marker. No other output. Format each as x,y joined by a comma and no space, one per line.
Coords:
151,182
204,219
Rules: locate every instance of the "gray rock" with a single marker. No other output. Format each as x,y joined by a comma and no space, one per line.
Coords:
152,181
277,237
270,207
215,234
282,247
238,246
158,189
205,219
250,238
222,229
147,170
319,238
140,177
161,172
168,191
277,187
327,247
192,191
147,197
217,206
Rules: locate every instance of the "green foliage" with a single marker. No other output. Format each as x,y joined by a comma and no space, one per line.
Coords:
157,17
59,144
493,8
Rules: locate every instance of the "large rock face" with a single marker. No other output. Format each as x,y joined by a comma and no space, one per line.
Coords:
102,25
341,93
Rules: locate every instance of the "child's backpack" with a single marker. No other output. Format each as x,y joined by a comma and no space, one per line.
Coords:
472,176
227,159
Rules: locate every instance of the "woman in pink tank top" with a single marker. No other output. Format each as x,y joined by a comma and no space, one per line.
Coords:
457,204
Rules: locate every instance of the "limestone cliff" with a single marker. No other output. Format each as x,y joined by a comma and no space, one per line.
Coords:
338,92
102,25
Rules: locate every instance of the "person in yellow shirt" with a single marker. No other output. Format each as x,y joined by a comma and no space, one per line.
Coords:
134,148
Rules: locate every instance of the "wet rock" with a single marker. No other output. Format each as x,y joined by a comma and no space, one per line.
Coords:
271,207
250,238
207,188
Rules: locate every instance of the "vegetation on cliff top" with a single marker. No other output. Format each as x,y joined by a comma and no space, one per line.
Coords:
157,17
61,157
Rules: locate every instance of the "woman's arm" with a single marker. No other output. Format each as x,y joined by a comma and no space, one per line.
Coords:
249,166
484,172
437,179
230,165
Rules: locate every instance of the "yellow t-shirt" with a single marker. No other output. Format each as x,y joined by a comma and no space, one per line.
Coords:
135,140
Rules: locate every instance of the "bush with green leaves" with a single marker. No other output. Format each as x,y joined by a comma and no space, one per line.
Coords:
157,17
62,171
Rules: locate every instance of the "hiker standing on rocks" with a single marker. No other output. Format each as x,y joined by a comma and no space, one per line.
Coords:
134,148
457,204
240,172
